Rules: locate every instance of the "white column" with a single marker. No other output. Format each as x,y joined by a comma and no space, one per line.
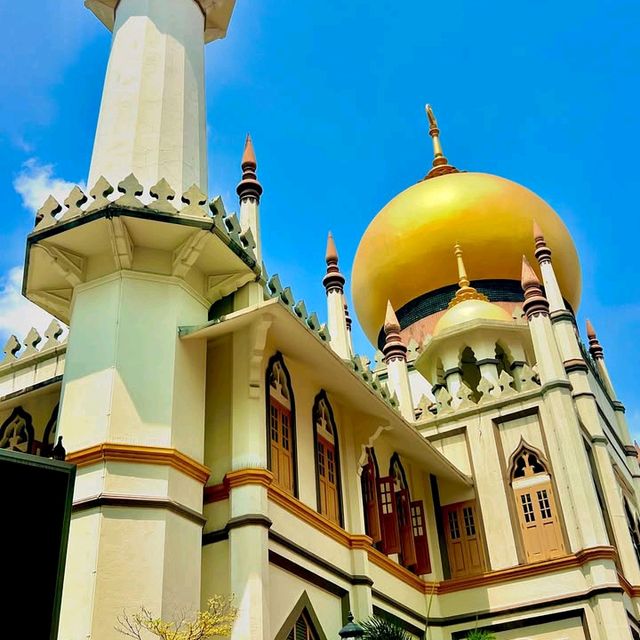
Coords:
337,323
127,384
152,117
399,382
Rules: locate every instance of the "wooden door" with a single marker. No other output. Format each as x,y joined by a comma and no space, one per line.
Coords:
539,525
407,544
388,515
423,562
327,480
281,444
464,545
370,500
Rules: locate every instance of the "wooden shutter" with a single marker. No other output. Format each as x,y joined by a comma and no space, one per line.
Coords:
464,546
423,562
370,499
280,436
388,515
539,523
406,530
327,479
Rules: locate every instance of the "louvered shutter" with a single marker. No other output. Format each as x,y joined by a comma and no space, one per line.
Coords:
388,516
406,531
423,562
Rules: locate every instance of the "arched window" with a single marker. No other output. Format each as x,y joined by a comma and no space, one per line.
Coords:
470,371
327,459
281,425
414,549
504,360
633,528
535,504
369,484
16,432
403,506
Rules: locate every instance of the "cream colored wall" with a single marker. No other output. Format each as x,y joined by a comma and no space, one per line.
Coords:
215,571
217,454
123,360
129,379
286,591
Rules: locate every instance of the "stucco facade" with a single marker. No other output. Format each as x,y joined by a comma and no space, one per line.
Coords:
228,442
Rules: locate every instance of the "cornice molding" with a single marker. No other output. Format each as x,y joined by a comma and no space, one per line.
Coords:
138,502
110,451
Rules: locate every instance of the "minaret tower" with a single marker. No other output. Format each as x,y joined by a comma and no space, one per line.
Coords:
126,268
152,120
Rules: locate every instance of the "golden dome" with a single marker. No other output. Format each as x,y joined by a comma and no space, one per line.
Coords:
406,250
468,310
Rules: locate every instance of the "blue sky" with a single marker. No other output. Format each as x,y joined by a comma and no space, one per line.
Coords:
542,93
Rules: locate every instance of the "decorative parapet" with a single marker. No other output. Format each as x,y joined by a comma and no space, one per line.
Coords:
273,289
488,391
361,366
162,201
16,352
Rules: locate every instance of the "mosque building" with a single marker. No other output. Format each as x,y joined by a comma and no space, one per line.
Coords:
478,473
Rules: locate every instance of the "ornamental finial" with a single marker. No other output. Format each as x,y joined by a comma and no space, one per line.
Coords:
441,165
535,302
465,290
595,348
333,280
249,186
394,348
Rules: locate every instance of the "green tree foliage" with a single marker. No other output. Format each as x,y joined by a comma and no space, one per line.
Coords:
380,629
481,634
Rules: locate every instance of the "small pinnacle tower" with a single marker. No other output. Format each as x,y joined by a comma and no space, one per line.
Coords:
249,191
551,286
595,348
333,283
395,357
465,290
535,302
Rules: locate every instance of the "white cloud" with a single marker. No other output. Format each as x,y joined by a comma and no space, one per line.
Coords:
18,314
36,182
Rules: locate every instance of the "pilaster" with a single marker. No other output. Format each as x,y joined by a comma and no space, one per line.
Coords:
249,524
585,525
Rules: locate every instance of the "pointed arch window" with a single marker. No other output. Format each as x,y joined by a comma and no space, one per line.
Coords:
327,460
16,432
536,506
634,531
281,433
412,528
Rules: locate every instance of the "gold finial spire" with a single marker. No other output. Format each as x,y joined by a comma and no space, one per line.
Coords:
465,290
441,165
